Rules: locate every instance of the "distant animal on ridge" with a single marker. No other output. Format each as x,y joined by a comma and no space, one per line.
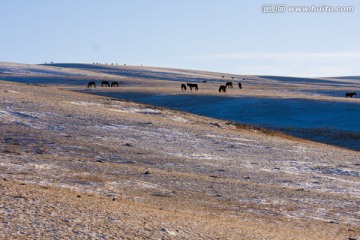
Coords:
183,87
105,83
240,85
229,85
222,88
91,84
350,94
114,84
193,85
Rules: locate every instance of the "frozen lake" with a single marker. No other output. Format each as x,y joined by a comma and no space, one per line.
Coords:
324,121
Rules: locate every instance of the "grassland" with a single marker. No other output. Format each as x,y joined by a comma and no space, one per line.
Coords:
80,166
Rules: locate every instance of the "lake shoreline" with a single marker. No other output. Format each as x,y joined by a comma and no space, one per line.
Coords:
342,137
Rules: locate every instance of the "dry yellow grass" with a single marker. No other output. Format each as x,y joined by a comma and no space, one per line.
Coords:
78,166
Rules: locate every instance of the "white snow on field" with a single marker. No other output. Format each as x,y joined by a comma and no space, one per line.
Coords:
111,127
302,149
4,113
137,110
132,110
238,154
116,108
178,119
44,166
9,116
114,185
229,139
88,104
27,69
206,157
10,91
34,120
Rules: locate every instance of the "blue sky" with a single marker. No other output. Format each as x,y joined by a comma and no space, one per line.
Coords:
231,36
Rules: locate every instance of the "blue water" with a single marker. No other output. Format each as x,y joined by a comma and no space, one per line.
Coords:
336,123
267,112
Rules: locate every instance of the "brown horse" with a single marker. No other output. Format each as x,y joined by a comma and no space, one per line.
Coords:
91,84
350,94
229,85
240,85
193,85
114,84
105,83
222,88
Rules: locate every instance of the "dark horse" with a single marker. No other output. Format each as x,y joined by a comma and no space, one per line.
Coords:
105,83
229,85
91,84
240,85
222,88
351,94
193,85
183,87
114,84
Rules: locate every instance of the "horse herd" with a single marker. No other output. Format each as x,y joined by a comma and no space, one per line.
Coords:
103,84
222,88
190,85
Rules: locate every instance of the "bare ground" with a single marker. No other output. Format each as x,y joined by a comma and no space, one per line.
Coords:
81,166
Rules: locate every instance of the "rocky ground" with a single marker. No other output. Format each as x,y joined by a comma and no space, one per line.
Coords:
79,166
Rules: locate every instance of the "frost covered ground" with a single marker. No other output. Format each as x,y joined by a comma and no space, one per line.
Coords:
335,122
75,165
311,108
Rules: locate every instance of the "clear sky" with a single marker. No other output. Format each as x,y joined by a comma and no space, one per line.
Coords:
232,36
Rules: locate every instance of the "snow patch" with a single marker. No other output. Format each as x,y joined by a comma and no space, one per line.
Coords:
113,185
137,110
178,119
111,127
206,157
80,103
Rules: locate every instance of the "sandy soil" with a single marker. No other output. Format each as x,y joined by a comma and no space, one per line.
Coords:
80,166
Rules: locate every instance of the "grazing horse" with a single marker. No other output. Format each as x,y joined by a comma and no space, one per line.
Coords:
240,85
350,94
91,84
222,88
193,85
183,87
114,84
105,83
229,85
